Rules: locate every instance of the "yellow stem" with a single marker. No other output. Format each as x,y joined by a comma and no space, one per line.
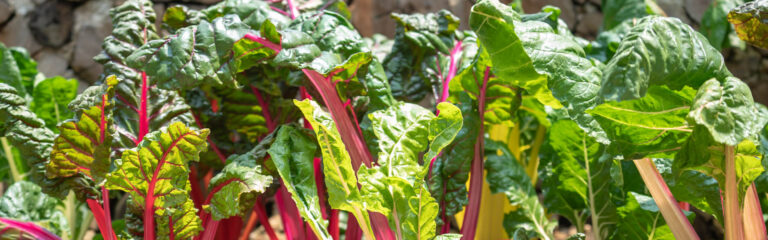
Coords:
9,156
533,164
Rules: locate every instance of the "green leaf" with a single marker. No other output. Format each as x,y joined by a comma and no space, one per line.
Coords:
133,25
448,236
702,153
583,171
450,171
9,71
337,165
506,175
84,144
155,174
25,201
500,94
242,112
253,13
25,131
180,16
641,219
27,66
443,129
494,24
50,99
293,153
210,52
617,12
694,187
183,218
714,22
749,21
727,111
660,51
661,130
333,33
236,187
418,53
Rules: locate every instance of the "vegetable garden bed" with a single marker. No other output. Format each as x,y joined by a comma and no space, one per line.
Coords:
250,107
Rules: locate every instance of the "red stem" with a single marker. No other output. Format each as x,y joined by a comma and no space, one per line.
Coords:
110,235
222,157
261,212
196,190
29,228
210,229
292,9
100,217
143,116
453,67
289,214
354,232
264,42
469,227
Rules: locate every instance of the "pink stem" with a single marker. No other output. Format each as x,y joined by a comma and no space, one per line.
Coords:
292,8
264,109
99,216
29,228
469,227
453,67
289,214
280,11
209,232
261,212
667,204
264,42
110,235
143,116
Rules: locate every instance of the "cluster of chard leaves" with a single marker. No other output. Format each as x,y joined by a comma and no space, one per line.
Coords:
245,102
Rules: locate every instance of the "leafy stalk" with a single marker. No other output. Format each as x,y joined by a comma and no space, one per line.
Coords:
667,204
469,226
734,225
11,162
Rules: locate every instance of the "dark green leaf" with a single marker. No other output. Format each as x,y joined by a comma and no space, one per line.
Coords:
24,201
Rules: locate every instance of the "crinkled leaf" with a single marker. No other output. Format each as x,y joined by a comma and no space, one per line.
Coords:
179,16
500,94
661,129
157,171
332,32
253,13
749,20
28,134
583,171
727,111
133,25
50,98
418,54
494,24
293,153
184,220
380,45
340,179
660,51
448,236
25,201
210,52
236,188
506,175
84,144
715,25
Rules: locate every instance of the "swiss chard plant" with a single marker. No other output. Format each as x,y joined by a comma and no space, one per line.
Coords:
249,106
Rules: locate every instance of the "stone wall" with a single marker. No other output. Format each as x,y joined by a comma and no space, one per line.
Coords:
64,35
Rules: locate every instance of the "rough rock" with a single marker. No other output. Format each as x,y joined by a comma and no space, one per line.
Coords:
53,62
696,8
6,10
590,22
567,10
597,2
22,6
51,23
16,33
92,25
674,8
